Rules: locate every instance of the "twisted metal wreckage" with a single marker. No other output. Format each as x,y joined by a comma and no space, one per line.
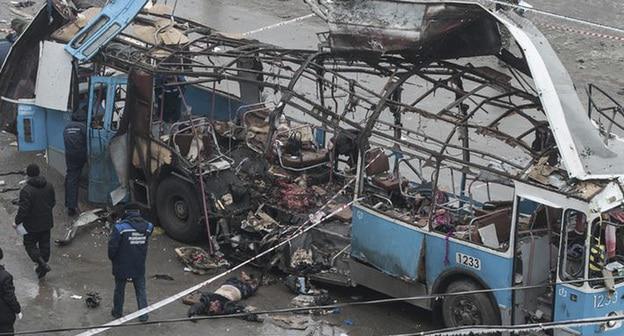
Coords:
220,132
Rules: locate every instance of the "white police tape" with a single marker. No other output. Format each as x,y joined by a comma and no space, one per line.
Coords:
279,24
580,32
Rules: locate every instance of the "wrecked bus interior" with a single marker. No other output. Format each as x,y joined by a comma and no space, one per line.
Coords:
461,174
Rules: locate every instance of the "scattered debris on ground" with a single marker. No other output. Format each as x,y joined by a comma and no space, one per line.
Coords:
303,300
198,261
93,299
163,277
84,220
299,325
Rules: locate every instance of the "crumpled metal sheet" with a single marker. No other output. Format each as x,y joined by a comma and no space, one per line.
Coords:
19,70
160,32
427,29
582,149
85,219
68,31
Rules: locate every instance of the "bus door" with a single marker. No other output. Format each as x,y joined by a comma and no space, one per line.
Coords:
537,240
569,299
107,97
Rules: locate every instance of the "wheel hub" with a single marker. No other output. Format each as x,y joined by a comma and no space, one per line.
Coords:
180,209
466,312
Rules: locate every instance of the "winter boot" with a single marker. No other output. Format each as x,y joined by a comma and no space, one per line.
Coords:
42,269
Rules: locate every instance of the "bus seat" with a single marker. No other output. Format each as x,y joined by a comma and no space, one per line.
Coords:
308,158
183,143
378,166
377,162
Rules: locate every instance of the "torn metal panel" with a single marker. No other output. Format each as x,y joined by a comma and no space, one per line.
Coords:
609,197
152,157
119,155
138,108
148,153
54,77
582,149
549,197
68,31
19,71
425,28
161,32
113,19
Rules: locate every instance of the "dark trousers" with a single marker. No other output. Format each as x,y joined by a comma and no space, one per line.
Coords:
74,164
6,329
37,246
120,291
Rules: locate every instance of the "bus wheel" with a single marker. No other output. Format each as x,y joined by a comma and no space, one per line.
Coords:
468,309
178,210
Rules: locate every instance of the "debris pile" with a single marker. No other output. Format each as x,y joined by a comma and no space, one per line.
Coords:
83,221
198,261
93,299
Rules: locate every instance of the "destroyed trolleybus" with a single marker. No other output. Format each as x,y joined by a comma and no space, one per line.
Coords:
469,178
487,181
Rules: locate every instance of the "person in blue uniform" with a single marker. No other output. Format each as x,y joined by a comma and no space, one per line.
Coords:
127,250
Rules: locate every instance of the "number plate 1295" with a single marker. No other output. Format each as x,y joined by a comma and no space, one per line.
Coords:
469,261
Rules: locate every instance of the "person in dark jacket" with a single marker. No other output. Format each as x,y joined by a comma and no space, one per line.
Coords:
18,26
75,138
36,201
9,306
127,249
226,299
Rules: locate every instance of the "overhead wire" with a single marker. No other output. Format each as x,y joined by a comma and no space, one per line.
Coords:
513,329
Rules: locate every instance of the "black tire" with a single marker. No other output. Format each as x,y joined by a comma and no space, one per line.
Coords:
468,309
178,210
